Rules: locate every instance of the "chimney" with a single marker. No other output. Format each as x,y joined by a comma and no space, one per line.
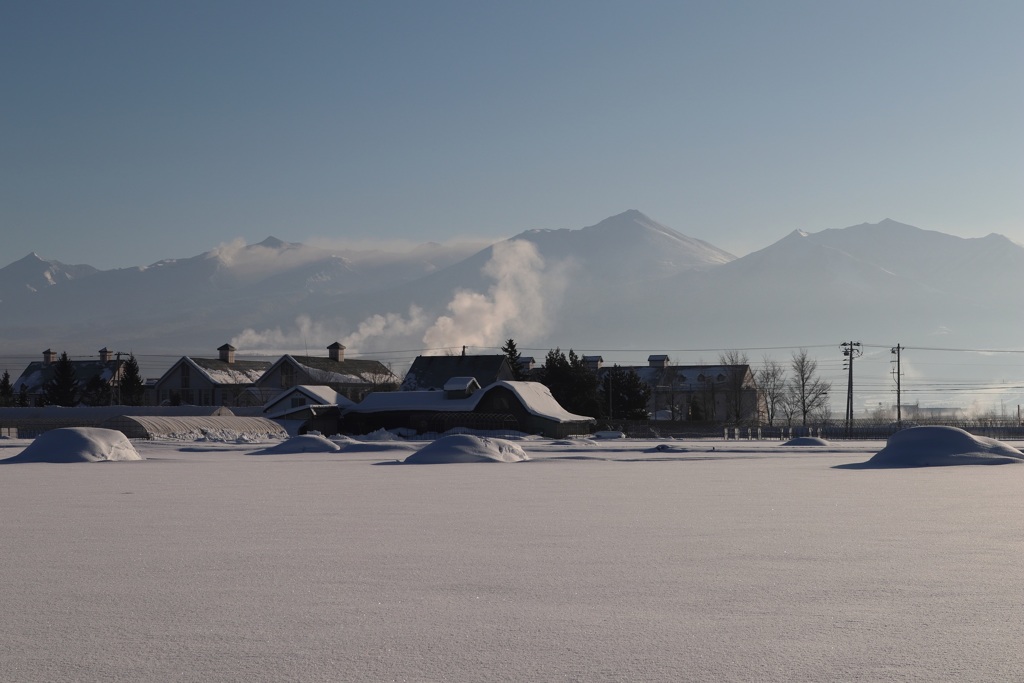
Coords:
657,361
336,351
593,363
48,356
105,355
227,353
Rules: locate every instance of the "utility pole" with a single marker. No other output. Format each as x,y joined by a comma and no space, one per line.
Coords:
851,350
117,376
897,373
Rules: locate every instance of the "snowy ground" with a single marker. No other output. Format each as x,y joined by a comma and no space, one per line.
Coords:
602,561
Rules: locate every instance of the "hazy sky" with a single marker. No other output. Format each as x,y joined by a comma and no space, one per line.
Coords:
134,131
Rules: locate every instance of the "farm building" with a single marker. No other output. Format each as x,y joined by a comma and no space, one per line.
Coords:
353,378
501,406
214,427
29,423
94,374
221,381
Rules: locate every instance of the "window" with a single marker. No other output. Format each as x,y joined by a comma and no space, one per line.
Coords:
287,375
185,377
298,402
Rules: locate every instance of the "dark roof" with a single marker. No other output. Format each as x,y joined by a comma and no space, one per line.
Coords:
38,373
432,372
686,375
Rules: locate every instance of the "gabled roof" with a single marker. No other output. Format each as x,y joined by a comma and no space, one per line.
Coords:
461,384
38,373
535,397
327,371
432,372
223,373
314,394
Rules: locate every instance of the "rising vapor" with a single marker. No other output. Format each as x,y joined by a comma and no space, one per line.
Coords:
521,303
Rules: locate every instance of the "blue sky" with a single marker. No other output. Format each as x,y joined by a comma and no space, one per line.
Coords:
135,131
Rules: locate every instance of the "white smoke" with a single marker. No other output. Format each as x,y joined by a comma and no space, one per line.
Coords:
380,331
518,305
298,339
521,302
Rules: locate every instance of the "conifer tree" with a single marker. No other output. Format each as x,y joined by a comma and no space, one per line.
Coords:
132,384
624,395
571,382
6,390
22,400
62,389
96,392
519,373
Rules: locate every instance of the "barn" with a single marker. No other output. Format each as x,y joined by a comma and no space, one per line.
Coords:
501,406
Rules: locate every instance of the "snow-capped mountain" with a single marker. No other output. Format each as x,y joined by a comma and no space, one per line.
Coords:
626,282
618,258
32,274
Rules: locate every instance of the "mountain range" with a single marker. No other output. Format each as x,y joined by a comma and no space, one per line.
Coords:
627,282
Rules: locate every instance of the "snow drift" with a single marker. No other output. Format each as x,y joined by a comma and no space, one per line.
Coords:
307,443
467,448
806,441
936,446
78,444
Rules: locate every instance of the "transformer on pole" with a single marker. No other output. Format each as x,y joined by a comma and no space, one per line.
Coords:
850,350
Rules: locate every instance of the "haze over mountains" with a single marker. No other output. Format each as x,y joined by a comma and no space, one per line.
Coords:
626,283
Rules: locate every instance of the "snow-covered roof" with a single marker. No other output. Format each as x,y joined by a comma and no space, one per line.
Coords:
196,428
325,375
315,395
534,396
222,372
329,371
461,384
38,373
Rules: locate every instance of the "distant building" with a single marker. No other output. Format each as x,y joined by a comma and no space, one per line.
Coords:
353,378
105,371
701,393
221,381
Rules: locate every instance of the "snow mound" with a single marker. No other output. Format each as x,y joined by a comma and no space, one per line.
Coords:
78,444
806,441
939,446
380,435
307,443
574,442
467,448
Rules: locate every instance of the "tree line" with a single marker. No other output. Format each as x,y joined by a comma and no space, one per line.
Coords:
793,395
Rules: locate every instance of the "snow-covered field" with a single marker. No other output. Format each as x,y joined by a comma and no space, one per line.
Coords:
613,560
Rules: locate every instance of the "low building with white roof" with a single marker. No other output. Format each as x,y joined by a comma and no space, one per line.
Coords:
525,407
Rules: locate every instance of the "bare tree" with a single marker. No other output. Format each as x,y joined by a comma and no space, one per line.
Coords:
771,379
806,389
788,406
736,365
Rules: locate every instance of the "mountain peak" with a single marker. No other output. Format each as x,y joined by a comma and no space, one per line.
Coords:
32,257
272,243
